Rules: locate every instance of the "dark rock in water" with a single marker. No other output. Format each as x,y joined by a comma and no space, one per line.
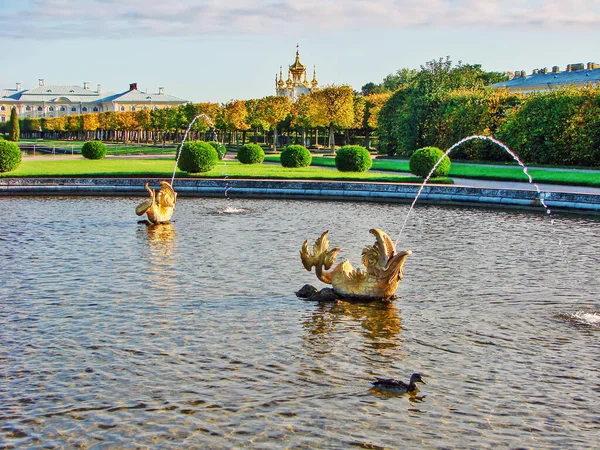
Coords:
306,291
312,294
324,295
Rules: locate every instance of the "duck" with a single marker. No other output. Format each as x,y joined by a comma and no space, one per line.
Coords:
397,386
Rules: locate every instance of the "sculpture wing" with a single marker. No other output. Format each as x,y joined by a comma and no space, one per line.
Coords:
166,196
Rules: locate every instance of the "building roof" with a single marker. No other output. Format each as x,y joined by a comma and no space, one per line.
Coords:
542,80
77,94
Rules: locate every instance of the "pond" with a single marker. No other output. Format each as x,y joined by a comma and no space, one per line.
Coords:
189,335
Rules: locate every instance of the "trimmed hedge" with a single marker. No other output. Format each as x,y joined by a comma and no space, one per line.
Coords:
251,154
353,158
220,148
423,161
295,156
197,156
10,156
93,150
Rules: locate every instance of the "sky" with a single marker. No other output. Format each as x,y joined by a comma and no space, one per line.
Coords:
219,50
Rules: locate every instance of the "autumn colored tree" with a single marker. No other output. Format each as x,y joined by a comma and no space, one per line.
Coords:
235,117
272,110
90,122
373,104
304,114
254,118
335,108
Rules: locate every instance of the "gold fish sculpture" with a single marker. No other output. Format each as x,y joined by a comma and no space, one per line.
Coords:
380,280
160,207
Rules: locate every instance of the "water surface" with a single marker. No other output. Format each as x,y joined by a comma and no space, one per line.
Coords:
114,334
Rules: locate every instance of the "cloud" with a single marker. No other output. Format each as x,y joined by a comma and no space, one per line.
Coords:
52,19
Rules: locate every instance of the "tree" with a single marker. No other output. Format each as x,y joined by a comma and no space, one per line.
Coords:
254,118
335,106
15,132
272,110
236,117
373,105
412,118
304,114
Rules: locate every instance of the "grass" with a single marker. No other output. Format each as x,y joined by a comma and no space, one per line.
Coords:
484,171
163,168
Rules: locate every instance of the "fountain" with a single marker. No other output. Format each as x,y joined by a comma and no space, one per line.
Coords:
160,207
380,280
384,265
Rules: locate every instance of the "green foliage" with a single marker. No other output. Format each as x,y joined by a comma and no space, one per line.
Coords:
220,148
295,156
425,159
14,131
197,156
10,156
251,154
93,150
561,127
353,158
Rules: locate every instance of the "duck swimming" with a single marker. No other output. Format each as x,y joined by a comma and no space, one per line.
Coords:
397,386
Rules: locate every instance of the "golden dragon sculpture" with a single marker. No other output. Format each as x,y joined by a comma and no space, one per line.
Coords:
380,280
160,207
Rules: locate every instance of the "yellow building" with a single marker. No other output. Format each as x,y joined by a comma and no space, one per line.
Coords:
54,100
296,83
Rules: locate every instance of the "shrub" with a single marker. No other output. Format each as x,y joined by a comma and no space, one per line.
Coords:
251,154
220,148
197,156
353,158
295,156
10,156
14,127
93,150
424,160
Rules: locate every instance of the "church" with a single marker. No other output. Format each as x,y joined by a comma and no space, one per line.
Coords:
296,84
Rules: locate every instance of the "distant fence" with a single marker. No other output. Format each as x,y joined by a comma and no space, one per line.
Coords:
49,150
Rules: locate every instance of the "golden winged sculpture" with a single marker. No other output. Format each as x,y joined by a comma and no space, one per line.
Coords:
160,206
380,280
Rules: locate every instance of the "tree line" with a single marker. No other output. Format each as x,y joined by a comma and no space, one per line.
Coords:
438,105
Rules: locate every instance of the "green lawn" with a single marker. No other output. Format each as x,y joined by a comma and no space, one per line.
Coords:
163,168
483,171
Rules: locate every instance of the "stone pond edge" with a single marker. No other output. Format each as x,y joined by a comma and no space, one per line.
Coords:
308,190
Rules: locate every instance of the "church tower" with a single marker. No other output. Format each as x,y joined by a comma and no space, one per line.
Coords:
296,83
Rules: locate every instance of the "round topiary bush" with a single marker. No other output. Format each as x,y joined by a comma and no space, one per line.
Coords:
353,158
220,148
197,156
251,154
424,160
295,156
10,156
93,150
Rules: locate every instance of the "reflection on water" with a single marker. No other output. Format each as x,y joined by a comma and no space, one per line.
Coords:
115,334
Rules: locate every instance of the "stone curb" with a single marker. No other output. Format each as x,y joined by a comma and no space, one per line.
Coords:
308,190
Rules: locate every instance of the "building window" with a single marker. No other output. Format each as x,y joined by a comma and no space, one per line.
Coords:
122,108
155,108
133,107
40,108
62,108
95,109
84,109
73,109
28,108
3,119
51,108
2,108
